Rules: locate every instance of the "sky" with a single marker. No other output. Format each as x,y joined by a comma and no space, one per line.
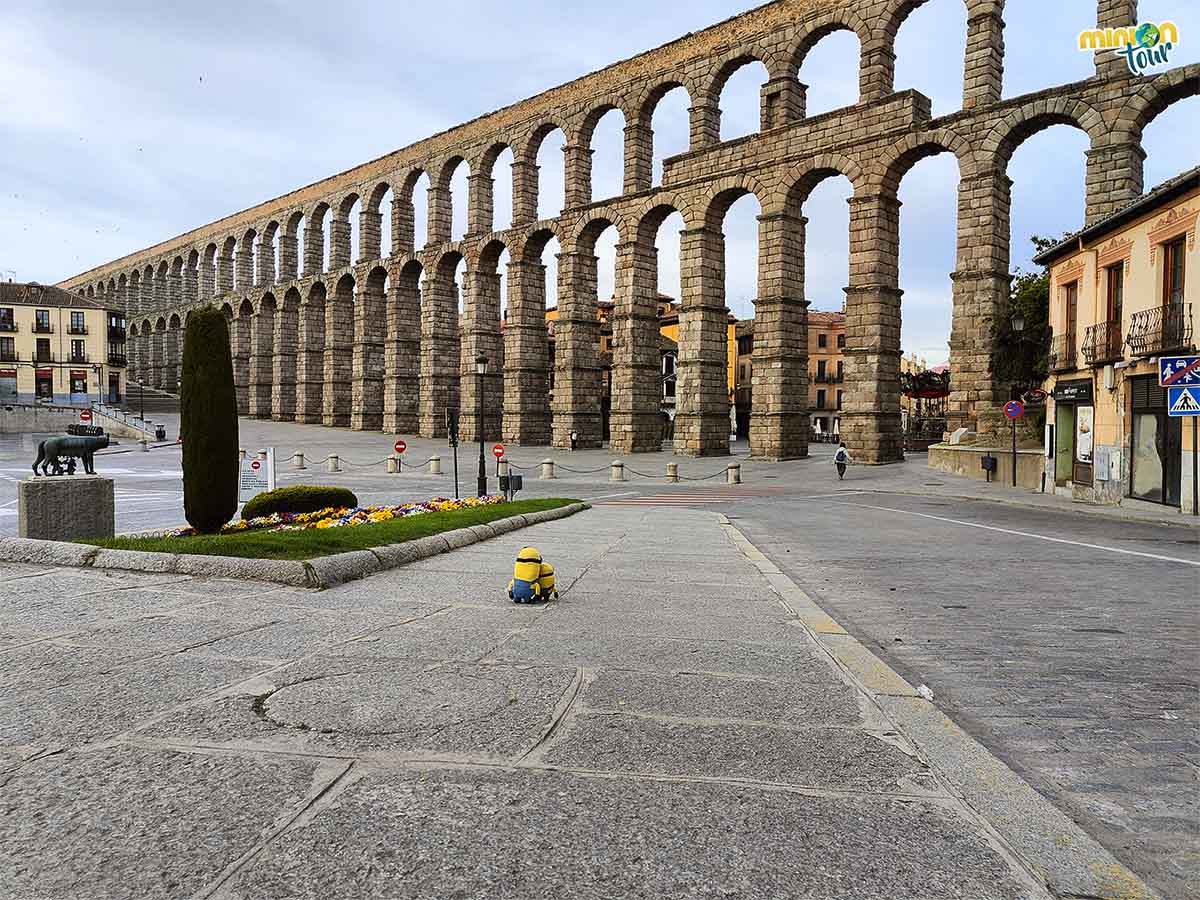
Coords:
127,123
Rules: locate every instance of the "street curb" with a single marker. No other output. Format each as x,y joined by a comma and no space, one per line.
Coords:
321,572
1056,851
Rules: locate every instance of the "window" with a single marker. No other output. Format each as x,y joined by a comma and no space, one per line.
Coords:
77,352
1071,304
820,370
8,349
822,340
43,350
841,341
7,323
839,406
1116,291
841,368
79,383
1173,273
41,321
821,399
77,326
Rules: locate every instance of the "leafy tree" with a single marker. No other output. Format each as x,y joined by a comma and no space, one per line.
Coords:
208,422
1022,359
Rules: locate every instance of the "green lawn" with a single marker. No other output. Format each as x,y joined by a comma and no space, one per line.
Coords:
313,542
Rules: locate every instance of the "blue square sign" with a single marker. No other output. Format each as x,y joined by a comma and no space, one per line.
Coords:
1183,401
1179,371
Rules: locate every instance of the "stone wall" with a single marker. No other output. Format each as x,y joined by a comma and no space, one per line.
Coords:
322,359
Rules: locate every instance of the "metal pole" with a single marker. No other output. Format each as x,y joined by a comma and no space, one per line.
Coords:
142,401
1195,486
482,486
1014,448
456,468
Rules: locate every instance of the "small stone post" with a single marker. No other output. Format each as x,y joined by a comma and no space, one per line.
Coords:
334,463
672,473
435,465
547,468
733,473
392,465
298,460
618,471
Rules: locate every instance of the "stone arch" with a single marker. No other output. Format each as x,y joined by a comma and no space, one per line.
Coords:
530,247
316,241
285,343
341,315
527,192
402,349
1154,96
267,259
290,251
261,357
896,161
1024,122
371,233
582,239
723,193
370,333
310,359
818,27
723,67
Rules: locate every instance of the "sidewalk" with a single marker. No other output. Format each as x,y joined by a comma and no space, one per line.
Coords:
677,725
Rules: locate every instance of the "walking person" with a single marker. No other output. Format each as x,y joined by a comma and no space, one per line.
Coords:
841,459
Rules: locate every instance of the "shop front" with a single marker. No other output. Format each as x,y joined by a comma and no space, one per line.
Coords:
1157,452
1075,433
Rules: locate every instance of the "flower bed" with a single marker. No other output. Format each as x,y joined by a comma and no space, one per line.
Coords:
346,517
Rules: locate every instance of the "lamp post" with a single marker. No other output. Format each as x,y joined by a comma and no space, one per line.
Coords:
141,401
480,369
1018,326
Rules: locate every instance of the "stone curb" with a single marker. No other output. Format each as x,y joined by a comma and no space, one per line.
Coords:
322,572
1055,850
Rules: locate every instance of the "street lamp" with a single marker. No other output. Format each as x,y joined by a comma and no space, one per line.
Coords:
1018,322
480,370
141,401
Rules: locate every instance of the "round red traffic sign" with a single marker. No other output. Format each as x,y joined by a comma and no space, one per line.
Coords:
498,451
255,465
85,415
1014,409
401,447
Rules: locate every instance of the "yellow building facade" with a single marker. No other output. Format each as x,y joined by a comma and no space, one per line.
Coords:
59,347
1124,294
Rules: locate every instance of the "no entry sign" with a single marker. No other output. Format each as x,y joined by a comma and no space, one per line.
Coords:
1014,409
498,451
85,415
401,447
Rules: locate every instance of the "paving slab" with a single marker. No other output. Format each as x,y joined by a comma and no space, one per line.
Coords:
436,834
127,823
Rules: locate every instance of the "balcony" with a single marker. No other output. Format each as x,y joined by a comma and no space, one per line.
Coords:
116,335
8,326
43,328
1062,353
1160,330
117,359
77,329
43,356
828,378
77,357
9,356
1102,343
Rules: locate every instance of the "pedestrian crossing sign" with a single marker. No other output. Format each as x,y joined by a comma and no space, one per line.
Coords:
1183,401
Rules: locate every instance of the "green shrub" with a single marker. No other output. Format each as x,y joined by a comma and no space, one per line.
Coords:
300,498
208,422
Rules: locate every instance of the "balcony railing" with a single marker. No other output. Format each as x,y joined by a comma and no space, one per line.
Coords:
828,378
9,356
1062,352
77,329
8,326
43,328
1160,330
1102,343
116,335
117,359
43,356
77,357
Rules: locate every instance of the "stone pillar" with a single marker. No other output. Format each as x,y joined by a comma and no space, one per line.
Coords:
310,362
439,352
702,395
1114,177
1114,14
240,338
481,335
404,227
244,266
261,362
871,416
402,358
704,124
480,209
314,246
208,278
160,292
877,73
154,369
440,219
779,366
526,357
577,176
224,271
370,234
339,358
175,288
264,259
782,101
172,359
340,252
577,376
981,295
639,157
525,191
366,403
66,508
190,285
283,371
635,423
289,256
983,70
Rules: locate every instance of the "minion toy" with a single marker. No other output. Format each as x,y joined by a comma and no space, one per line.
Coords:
546,582
526,584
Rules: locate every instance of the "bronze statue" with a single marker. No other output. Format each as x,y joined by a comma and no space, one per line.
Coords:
52,450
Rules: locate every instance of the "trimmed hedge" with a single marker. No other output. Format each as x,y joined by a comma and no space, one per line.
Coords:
300,498
208,422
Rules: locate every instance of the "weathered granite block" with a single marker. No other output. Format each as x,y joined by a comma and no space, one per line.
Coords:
65,507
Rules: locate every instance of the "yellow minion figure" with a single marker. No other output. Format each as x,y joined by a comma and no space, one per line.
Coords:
546,582
526,584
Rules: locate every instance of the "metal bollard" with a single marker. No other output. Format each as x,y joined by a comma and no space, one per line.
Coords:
733,473
145,445
333,463
435,465
547,468
618,471
298,460
502,468
393,465
673,473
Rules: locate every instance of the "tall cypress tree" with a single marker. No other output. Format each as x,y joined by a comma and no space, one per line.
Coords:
208,422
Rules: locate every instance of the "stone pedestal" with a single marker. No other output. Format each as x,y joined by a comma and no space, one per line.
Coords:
65,507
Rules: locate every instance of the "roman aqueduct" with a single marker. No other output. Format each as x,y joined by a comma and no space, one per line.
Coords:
380,345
